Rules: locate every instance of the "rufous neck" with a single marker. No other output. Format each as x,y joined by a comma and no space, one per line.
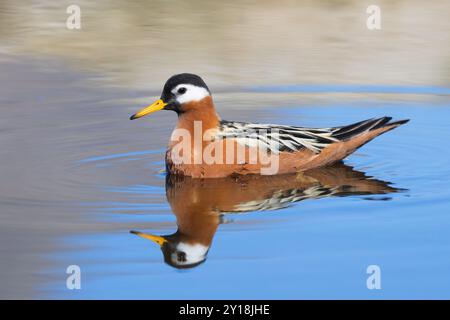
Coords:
202,111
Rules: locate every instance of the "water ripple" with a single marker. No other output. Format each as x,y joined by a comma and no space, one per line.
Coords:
120,155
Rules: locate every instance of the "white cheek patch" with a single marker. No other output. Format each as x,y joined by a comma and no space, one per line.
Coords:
194,253
193,93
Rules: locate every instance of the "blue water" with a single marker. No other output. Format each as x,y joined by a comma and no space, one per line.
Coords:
316,248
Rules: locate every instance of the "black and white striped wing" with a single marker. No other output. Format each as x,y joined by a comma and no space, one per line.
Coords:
284,198
277,138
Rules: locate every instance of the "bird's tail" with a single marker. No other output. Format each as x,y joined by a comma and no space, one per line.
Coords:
356,135
380,125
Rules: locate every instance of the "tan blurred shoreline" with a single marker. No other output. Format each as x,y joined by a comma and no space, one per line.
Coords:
138,45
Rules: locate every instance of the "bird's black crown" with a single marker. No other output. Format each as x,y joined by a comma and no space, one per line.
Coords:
183,78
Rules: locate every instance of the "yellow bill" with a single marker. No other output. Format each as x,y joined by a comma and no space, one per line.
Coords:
156,239
156,106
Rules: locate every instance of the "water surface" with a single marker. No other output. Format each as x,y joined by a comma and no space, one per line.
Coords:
77,176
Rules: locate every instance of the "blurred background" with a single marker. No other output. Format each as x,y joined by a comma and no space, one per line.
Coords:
140,44
71,160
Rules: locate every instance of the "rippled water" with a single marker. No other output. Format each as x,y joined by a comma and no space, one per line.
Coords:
77,176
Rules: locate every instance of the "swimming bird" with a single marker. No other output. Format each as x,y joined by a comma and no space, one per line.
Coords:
202,205
204,146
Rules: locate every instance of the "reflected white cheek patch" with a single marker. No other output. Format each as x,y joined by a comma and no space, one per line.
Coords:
193,253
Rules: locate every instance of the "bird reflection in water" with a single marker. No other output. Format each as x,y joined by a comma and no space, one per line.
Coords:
200,204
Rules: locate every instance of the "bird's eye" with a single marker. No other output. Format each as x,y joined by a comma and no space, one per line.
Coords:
181,256
181,90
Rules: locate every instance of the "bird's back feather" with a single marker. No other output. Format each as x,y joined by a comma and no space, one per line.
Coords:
281,138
